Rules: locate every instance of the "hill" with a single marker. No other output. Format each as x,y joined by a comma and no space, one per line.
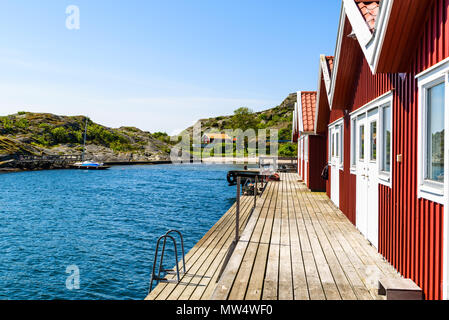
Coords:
48,134
279,117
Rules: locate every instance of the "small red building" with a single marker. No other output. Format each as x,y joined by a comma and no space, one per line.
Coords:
381,106
311,146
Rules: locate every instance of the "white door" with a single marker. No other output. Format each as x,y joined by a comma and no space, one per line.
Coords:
367,216
335,154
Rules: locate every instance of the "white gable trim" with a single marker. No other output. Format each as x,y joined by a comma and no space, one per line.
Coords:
381,29
358,23
337,54
299,103
370,43
361,30
323,71
326,73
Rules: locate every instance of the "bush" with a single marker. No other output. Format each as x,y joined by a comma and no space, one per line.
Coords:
288,150
22,123
59,135
7,123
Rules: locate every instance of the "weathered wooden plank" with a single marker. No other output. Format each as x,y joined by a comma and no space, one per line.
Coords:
300,288
330,230
271,285
225,284
285,259
242,279
343,284
315,287
255,285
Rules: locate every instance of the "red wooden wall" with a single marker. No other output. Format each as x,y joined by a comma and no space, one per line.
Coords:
410,229
317,161
347,180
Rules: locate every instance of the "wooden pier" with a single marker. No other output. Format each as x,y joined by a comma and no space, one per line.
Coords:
48,158
296,245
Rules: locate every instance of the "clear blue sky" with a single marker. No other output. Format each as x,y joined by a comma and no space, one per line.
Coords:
160,65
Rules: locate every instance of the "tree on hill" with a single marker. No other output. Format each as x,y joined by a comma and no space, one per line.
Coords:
244,119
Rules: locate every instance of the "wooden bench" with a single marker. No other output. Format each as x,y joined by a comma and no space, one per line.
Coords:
399,289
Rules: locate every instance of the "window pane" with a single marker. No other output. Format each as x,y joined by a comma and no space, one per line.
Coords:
353,140
386,137
435,133
337,143
333,144
362,142
373,141
341,148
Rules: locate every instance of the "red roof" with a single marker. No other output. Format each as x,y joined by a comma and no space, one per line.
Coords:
370,11
308,103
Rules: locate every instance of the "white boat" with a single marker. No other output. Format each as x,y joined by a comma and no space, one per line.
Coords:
88,165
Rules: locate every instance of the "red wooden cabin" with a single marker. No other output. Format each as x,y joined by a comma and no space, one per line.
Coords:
382,108
311,146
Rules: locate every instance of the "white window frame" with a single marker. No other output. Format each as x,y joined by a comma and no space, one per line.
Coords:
353,156
341,144
431,190
379,103
338,124
385,176
330,140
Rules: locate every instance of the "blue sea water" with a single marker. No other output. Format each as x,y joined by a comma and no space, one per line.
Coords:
105,223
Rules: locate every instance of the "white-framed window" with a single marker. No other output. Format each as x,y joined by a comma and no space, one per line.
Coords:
379,135
432,122
385,142
362,142
336,146
353,144
341,144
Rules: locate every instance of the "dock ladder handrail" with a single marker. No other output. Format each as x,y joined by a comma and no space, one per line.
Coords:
158,277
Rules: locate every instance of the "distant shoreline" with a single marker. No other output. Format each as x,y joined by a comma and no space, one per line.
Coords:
117,163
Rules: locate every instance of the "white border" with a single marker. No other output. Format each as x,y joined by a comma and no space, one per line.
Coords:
435,75
425,78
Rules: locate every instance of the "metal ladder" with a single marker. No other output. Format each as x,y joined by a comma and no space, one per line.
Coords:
161,269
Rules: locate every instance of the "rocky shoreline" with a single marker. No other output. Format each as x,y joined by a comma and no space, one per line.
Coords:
39,166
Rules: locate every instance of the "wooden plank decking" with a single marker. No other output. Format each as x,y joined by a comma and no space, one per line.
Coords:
296,246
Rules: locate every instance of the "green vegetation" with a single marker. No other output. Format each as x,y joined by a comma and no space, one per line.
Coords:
243,119
288,150
42,131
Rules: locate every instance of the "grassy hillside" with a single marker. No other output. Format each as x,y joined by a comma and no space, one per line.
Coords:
43,133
